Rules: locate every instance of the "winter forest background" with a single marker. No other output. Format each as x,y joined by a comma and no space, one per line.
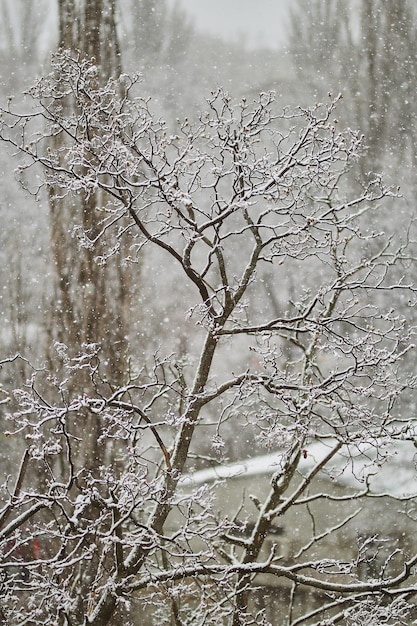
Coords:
207,257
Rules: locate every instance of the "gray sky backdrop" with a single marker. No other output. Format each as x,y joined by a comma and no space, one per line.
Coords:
260,22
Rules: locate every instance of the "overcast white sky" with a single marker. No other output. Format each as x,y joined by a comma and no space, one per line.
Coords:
262,22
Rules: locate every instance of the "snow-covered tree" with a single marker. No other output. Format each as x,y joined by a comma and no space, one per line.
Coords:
213,203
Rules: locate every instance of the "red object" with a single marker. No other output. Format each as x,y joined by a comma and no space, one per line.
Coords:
36,549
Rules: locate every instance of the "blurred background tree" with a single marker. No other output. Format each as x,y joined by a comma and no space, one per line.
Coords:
365,51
